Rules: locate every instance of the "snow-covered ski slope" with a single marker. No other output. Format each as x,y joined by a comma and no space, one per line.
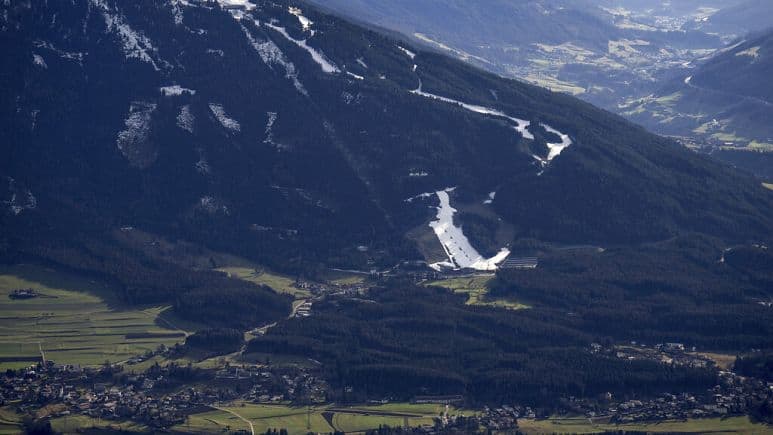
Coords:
461,254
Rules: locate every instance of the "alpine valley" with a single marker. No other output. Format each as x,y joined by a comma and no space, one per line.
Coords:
314,199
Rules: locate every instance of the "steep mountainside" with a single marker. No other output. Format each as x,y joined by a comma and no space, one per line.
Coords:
603,52
740,18
293,137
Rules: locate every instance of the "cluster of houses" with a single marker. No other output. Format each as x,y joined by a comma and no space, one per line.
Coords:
150,397
72,390
667,353
24,293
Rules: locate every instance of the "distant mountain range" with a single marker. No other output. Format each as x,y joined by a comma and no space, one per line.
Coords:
727,101
628,56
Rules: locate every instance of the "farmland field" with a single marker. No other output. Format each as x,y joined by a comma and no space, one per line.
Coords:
296,419
738,425
281,284
476,289
75,320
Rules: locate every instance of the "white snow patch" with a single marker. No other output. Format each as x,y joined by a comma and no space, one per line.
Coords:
318,57
135,44
362,63
269,131
424,195
38,60
69,55
355,76
688,80
215,52
305,22
271,55
491,197
407,52
556,148
753,52
521,125
455,244
133,140
175,90
418,174
243,4
222,117
186,119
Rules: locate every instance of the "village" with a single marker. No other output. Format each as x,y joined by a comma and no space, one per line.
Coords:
164,396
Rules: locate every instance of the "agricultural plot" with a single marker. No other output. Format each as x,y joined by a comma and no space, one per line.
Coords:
280,284
74,320
734,425
302,420
476,289
263,417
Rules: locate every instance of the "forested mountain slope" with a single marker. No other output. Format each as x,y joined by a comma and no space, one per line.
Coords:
281,133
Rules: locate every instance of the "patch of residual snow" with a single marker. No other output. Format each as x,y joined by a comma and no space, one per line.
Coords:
305,22
460,253
558,147
222,117
135,44
272,55
521,125
327,66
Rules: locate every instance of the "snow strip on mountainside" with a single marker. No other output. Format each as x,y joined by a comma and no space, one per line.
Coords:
556,148
407,52
246,4
175,91
223,118
272,55
185,119
491,197
135,44
521,125
318,57
354,76
132,141
38,60
305,22
457,247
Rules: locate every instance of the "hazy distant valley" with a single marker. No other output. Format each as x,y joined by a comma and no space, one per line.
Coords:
626,56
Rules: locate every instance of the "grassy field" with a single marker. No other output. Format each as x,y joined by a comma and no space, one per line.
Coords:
75,321
281,284
262,417
723,361
735,425
297,419
9,422
476,288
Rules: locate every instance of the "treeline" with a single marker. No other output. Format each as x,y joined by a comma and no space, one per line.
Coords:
203,296
756,365
414,340
677,291
221,340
